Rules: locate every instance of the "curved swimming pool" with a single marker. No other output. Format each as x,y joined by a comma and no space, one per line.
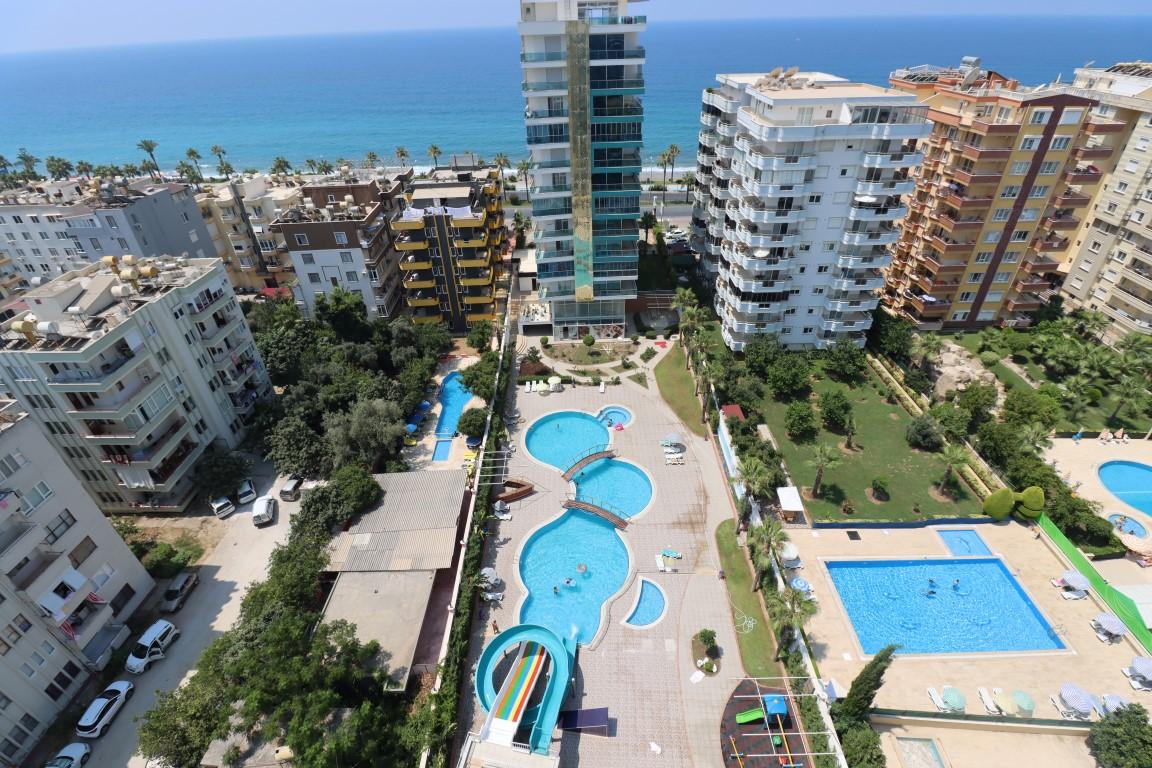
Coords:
561,438
649,606
616,485
1130,482
453,397
561,595
614,415
1128,525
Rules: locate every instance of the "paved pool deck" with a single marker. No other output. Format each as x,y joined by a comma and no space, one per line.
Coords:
419,456
641,675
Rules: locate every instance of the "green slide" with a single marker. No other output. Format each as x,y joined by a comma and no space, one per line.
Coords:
750,716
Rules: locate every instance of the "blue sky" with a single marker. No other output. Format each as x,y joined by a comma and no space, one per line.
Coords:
62,24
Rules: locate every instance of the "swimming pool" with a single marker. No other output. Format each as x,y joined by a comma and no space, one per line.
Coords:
453,397
617,414
649,607
560,438
964,542
888,602
1129,481
555,553
616,485
1130,526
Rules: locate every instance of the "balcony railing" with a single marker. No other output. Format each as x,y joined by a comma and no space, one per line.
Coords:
625,53
107,369
620,82
543,56
597,21
545,85
551,138
543,114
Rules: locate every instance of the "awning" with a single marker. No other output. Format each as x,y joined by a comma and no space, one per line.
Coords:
789,499
774,704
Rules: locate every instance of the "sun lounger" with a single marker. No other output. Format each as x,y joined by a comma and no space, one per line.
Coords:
660,564
989,704
1074,594
939,702
794,565
492,597
601,387
672,554
1065,713
502,515
1138,683
1058,583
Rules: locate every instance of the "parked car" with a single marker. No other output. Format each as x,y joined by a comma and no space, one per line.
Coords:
222,507
103,709
178,590
73,755
151,645
264,510
290,491
246,492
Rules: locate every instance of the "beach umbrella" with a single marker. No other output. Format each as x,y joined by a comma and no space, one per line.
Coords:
1004,701
1076,699
789,552
801,584
1113,702
954,698
489,576
672,437
424,405
1111,624
411,428
1075,580
1024,702
1142,667
553,380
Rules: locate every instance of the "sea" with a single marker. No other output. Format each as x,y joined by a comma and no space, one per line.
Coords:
343,96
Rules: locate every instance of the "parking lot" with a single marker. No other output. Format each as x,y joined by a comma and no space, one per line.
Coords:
226,572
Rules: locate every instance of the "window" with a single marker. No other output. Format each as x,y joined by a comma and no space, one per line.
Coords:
975,277
123,597
53,692
351,277
1001,214
1141,144
29,722
4,702
1061,142
1010,191
1019,168
1002,277
28,670
1029,214
1040,190
1039,117
1020,235
59,526
1012,257
301,238
34,497
10,463
814,199
1029,143
10,634
983,257
341,238
95,244
18,734
959,316
1095,246
346,257
991,237
4,647
313,278
82,552
1121,186
373,275
22,623
1049,167
966,297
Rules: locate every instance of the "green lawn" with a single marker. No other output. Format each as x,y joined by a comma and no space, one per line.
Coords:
579,354
758,647
883,451
679,390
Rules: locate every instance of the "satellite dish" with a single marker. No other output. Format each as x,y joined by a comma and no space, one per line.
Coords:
776,72
970,77
791,72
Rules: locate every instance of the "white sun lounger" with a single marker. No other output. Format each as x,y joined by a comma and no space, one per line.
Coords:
660,564
492,597
601,387
988,702
1065,713
502,515
1074,594
939,702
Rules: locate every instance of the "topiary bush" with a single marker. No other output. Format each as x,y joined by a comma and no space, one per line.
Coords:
880,488
1000,504
650,335
589,340
1029,503
544,342
989,358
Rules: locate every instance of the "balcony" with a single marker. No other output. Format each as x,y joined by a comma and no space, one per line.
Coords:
1039,265
709,121
943,267
1027,303
415,262
870,212
926,306
422,299
537,165
420,280
775,162
477,277
537,56
478,259
874,237
39,561
425,315
410,242
136,389
15,530
755,211
176,465
755,239
160,446
1084,175
892,159
1128,292
481,240
961,200
1062,220
553,138
766,189
1092,153
545,114
985,128
617,54
1031,285
1101,127
555,189
976,153
92,379
221,326
885,187
555,233
852,305
948,245
539,86
477,296
1048,244
400,224
977,175
858,283
1072,198
721,100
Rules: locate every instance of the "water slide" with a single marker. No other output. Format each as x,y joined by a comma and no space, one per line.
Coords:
539,654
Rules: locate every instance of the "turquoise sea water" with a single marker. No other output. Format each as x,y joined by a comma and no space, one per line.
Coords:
342,96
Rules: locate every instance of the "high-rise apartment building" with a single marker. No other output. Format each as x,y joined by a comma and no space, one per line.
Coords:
57,226
1004,184
583,81
1111,267
239,215
68,584
799,180
339,236
132,367
451,237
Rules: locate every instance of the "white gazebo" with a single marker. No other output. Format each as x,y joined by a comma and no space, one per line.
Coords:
790,502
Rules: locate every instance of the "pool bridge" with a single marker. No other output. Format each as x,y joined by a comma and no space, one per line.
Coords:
604,512
588,457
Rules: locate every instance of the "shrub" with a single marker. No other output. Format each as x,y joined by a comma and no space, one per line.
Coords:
923,432
589,340
480,336
707,638
847,508
835,409
1023,407
1122,739
1093,395
989,358
800,420
648,354
650,334
853,708
862,747
1000,504
880,488
471,423
846,361
635,338
917,381
164,561
544,342
614,380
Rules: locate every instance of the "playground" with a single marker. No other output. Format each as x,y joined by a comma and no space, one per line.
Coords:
761,726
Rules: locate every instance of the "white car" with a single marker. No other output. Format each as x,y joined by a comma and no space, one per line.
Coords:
222,507
151,646
246,492
264,510
73,755
103,710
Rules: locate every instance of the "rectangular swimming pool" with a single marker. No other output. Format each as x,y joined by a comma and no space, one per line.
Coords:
964,542
442,450
958,605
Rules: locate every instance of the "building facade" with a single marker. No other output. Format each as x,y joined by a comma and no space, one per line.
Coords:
339,236
799,183
1111,266
69,583
583,85
451,237
239,215
1008,172
59,226
132,368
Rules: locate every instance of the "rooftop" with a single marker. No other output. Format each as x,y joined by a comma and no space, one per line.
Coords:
795,85
79,197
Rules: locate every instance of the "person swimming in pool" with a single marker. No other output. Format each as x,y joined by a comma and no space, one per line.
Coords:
931,583
609,422
568,582
555,589
929,593
956,585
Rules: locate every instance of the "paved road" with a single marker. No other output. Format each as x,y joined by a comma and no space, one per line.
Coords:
240,558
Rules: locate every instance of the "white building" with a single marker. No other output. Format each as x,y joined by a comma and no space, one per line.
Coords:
800,177
69,583
132,368
57,226
583,87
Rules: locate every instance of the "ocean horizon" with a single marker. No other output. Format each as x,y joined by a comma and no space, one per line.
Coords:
341,96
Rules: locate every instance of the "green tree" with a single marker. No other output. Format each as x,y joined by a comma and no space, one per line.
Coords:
1122,739
978,400
924,433
835,409
862,747
952,420
998,443
28,161
324,167
148,147
182,722
955,458
368,434
295,448
58,168
472,422
800,420
502,164
764,350
927,348
402,156
790,376
671,154
1024,406
480,336
522,169
479,377
846,361
788,611
219,472
764,543
345,313
1131,392
889,335
1035,437
356,487
434,152
280,165
84,168
823,457
856,705
647,223
754,475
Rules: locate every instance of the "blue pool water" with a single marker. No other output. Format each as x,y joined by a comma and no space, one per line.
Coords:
453,397
553,554
616,414
649,607
964,542
1130,526
990,611
616,485
561,438
1129,481
442,450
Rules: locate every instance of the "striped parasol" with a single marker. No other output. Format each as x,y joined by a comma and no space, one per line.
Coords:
1075,580
1111,624
1142,667
1113,702
1076,699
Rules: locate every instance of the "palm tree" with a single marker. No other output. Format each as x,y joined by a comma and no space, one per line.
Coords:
280,165
788,611
672,153
647,223
754,476
324,167
662,161
58,168
1074,408
1130,391
186,170
1035,437
310,164
955,458
1092,324
434,152
823,457
402,156
84,168
502,164
764,543
685,297
5,165
148,147
29,161
129,170
370,159
849,432
928,347
223,167
147,166
690,321
522,169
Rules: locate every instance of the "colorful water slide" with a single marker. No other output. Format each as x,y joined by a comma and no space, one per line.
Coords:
539,654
